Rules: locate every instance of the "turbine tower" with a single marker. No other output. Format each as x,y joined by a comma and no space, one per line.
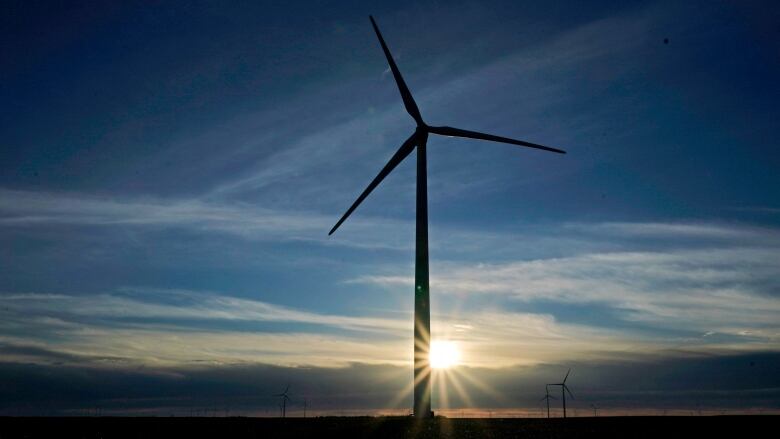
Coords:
564,389
547,397
285,398
419,140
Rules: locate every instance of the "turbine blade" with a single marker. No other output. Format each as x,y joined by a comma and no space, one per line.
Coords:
397,158
406,95
457,132
569,391
567,376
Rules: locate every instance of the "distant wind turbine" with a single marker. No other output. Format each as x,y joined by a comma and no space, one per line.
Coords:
547,397
283,403
595,410
564,389
419,139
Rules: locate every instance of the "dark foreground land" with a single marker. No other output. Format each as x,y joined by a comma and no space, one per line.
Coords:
386,427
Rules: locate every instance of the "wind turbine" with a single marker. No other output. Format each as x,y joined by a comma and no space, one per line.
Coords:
419,139
564,389
285,398
547,397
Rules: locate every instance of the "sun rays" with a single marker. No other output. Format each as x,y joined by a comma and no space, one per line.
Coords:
450,378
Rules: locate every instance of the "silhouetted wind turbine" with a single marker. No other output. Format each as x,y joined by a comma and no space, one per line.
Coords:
547,397
419,139
564,389
285,398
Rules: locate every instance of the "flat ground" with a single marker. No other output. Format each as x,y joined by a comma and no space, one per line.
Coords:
386,427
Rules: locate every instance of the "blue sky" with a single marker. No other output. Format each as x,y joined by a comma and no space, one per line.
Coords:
169,173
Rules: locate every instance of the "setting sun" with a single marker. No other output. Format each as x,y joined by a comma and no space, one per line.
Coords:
444,354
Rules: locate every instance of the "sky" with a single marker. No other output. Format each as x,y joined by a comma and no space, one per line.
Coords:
169,173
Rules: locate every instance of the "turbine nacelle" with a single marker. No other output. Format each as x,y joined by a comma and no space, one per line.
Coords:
564,390
420,135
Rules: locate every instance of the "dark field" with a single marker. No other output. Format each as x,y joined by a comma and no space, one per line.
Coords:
386,427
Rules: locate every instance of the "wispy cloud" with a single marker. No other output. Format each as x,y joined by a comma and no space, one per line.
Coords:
31,208
349,149
729,287
694,278
183,304
139,326
691,230
171,326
